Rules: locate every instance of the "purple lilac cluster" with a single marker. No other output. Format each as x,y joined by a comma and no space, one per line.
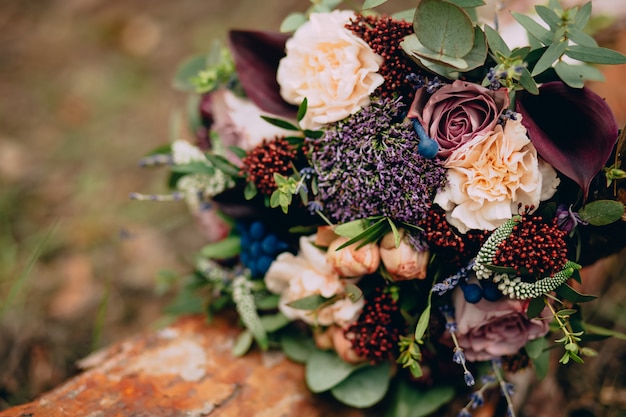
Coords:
369,165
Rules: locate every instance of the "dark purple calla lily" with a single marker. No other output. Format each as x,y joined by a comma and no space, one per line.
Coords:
573,129
256,55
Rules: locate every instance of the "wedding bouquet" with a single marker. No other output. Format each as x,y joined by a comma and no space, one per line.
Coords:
403,203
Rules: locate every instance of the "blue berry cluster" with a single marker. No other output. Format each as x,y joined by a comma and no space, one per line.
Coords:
259,247
473,293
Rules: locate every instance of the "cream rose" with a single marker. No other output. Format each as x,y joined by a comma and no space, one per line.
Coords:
328,65
403,262
352,262
490,175
309,273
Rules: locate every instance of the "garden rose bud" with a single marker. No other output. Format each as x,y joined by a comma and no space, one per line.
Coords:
403,262
343,346
352,262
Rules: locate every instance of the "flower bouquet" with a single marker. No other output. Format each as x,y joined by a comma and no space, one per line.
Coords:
403,203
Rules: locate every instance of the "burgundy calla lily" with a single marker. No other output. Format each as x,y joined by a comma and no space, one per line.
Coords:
573,129
256,55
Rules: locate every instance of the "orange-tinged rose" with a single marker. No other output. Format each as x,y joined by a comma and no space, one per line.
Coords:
351,262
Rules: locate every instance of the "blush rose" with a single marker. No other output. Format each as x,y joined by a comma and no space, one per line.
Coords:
488,330
457,112
332,68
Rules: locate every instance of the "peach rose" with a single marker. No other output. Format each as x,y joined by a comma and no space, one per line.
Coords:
488,330
403,262
335,70
488,176
309,273
352,262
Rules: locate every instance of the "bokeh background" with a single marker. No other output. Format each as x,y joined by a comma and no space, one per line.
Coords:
85,91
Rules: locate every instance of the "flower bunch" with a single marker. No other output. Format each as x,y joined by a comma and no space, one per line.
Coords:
396,201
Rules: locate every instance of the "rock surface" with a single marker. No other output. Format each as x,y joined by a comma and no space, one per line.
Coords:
186,369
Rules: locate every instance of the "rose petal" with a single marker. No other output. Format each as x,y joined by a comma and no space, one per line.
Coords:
573,129
256,55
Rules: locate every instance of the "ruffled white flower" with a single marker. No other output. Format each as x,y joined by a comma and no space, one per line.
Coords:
309,273
335,70
490,175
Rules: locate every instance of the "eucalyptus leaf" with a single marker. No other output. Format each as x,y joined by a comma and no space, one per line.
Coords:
406,15
554,52
468,4
542,364
365,387
596,55
496,43
370,4
297,346
444,28
412,45
526,81
548,15
310,302
533,28
292,22
535,347
575,75
583,15
601,212
324,370
267,302
223,249
410,400
581,38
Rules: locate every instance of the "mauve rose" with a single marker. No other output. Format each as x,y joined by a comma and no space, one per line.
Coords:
488,330
457,112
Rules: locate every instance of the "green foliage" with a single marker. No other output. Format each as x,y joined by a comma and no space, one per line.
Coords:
223,249
365,387
204,73
324,370
602,212
372,233
311,302
410,355
409,401
297,346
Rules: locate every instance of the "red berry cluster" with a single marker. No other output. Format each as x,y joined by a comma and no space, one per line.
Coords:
263,161
534,247
376,333
459,248
384,34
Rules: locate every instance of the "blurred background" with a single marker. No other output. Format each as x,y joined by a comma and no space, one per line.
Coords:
85,91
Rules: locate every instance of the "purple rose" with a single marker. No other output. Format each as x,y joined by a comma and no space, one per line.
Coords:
488,330
457,112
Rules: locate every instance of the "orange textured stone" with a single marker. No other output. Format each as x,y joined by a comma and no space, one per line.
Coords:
186,369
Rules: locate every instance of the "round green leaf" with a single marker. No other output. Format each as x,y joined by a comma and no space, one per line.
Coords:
298,347
444,28
602,212
365,387
413,401
325,369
